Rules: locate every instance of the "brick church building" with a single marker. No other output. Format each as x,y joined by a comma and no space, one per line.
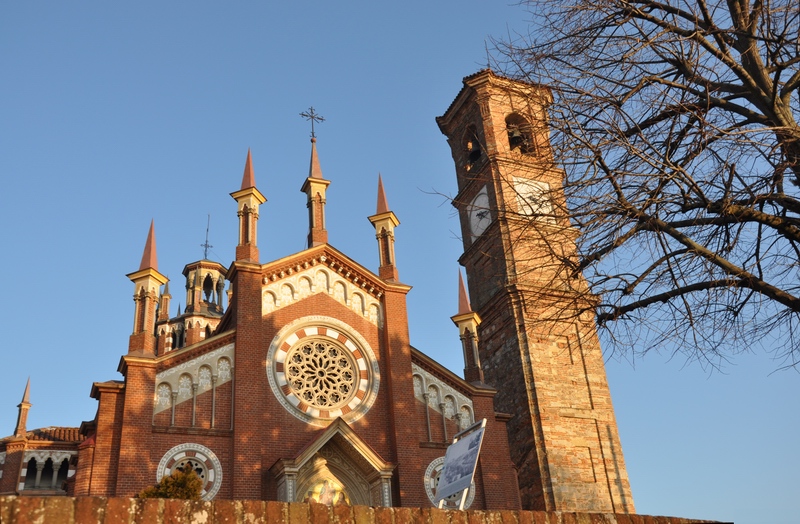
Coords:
298,382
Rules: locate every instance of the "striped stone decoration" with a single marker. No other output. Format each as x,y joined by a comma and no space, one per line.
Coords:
202,458
322,371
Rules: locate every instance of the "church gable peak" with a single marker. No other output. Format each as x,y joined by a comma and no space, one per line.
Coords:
325,271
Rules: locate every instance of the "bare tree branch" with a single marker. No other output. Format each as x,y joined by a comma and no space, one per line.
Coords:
675,122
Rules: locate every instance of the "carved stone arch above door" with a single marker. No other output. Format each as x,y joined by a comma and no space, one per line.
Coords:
337,467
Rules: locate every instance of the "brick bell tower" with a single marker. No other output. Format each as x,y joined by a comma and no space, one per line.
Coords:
537,340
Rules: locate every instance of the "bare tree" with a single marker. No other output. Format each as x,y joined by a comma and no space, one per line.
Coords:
676,124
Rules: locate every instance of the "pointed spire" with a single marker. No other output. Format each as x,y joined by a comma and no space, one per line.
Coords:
384,222
22,415
179,310
149,259
166,289
314,171
463,298
26,397
248,179
248,199
383,206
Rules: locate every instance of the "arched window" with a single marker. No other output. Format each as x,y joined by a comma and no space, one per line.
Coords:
63,471
208,289
47,475
472,147
519,134
30,474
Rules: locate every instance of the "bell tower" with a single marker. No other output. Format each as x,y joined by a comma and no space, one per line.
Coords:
538,344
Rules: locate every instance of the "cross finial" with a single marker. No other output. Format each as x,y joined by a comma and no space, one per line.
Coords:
206,246
314,117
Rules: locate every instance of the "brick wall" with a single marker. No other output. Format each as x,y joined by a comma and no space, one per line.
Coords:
98,510
537,342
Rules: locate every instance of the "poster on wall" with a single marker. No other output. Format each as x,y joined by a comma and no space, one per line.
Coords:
460,461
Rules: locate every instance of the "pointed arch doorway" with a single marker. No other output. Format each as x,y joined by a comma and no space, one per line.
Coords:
335,468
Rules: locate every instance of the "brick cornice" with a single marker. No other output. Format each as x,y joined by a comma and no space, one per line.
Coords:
106,387
133,360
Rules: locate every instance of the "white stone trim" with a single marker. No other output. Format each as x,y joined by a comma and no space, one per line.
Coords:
41,455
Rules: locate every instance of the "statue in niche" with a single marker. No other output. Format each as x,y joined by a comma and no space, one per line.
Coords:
327,492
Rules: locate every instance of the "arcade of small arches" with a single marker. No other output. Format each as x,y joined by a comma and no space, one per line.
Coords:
310,281
213,286
176,332
189,379
442,398
45,470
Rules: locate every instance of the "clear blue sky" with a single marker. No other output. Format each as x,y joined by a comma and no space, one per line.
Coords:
115,113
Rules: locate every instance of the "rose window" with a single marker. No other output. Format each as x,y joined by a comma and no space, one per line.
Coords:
321,374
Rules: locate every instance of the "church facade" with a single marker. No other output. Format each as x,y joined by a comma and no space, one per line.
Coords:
305,385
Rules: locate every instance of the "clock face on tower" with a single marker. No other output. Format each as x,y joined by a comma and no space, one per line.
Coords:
478,212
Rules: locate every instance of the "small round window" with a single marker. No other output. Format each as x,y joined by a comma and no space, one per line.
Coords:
200,459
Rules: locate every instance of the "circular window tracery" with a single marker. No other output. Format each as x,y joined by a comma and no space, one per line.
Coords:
320,369
197,457
321,373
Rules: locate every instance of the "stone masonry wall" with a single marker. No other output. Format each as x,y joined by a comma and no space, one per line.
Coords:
99,510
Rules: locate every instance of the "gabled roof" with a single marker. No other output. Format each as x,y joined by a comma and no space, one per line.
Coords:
53,434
